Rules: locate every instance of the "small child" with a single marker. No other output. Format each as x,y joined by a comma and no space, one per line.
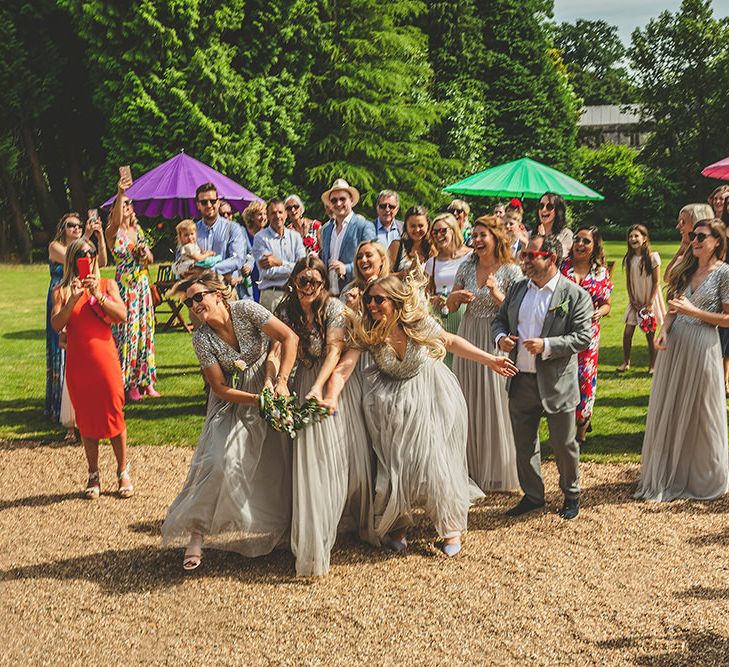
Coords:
189,254
645,301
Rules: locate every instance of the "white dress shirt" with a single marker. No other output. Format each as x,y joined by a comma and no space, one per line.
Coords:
335,245
288,247
532,312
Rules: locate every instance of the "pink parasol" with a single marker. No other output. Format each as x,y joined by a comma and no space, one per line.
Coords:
718,170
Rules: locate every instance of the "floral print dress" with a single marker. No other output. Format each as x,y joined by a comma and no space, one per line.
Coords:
598,285
134,337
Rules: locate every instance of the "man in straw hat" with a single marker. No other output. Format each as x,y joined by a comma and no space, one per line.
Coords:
341,235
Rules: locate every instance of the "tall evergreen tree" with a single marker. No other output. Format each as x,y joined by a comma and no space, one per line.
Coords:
370,107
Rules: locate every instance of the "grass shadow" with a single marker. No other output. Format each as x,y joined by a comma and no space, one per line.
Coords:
28,334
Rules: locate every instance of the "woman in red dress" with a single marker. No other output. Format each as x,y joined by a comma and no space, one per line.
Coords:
87,308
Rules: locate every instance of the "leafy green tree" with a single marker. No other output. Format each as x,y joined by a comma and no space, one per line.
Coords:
678,60
594,57
370,105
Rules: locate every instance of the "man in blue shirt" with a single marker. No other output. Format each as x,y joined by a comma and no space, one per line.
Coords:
388,228
276,249
215,233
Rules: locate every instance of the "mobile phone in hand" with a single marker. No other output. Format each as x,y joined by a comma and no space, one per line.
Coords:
125,171
93,214
83,266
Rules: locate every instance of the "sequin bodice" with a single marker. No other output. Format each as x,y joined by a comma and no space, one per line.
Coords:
248,319
483,304
415,356
710,295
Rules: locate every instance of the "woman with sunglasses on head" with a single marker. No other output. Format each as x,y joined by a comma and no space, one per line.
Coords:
135,336
321,450
414,410
552,219
585,266
441,270
86,307
414,246
685,444
481,285
237,495
307,228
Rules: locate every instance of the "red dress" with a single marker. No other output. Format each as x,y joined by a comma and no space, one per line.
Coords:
93,373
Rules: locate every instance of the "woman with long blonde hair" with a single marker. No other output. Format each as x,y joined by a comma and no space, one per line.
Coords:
414,411
481,285
685,445
86,306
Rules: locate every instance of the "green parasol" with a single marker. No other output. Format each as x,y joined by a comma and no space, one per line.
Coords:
523,178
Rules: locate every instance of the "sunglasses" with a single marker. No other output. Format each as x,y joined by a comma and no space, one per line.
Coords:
303,283
548,205
440,231
197,298
89,252
377,298
73,225
226,214
205,202
581,240
388,207
456,211
337,200
698,236
531,255
292,207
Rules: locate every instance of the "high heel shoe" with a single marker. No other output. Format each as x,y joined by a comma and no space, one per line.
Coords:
193,554
128,490
450,549
134,394
152,392
93,486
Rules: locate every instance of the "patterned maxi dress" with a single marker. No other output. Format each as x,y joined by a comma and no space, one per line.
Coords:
55,356
598,285
135,337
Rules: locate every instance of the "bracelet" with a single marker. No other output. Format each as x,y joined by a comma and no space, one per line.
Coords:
102,299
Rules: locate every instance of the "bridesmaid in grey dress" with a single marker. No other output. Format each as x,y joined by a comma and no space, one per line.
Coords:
685,445
414,246
320,454
414,411
238,491
482,282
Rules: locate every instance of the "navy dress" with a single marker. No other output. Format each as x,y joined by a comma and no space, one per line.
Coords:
55,356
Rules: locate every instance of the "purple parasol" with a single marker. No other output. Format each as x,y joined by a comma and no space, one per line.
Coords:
168,191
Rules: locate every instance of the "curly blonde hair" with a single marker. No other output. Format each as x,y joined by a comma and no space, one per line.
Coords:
253,208
410,313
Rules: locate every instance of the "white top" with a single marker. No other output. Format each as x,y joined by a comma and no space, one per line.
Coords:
335,245
185,261
445,272
533,310
288,247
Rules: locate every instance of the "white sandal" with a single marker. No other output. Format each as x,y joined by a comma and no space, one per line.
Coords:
93,491
124,491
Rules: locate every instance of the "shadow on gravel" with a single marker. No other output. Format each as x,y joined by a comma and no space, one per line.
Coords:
39,501
721,538
704,593
690,506
692,648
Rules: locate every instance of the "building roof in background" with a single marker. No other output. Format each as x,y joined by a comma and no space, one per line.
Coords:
609,115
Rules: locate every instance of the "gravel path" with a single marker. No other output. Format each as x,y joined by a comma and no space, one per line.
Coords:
86,583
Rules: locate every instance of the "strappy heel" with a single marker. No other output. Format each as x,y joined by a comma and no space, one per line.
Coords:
128,490
93,486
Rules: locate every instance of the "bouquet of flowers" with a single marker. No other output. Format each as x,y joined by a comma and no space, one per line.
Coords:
647,321
283,413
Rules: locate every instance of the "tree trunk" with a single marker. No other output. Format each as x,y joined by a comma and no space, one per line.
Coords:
46,208
76,180
55,169
22,235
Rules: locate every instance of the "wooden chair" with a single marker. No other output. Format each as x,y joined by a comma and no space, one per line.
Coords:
172,307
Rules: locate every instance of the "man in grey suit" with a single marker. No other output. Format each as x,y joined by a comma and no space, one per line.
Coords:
341,235
544,321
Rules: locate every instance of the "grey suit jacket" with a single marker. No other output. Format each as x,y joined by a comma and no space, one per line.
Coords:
358,229
568,334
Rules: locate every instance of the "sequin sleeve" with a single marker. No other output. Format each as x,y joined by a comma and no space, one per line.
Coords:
335,318
254,312
724,283
459,282
203,349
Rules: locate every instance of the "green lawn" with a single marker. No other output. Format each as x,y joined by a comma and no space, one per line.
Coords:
177,417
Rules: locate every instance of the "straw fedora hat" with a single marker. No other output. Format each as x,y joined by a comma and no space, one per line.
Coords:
341,184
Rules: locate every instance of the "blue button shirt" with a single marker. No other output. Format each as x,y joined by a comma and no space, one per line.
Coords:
289,247
387,236
226,239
